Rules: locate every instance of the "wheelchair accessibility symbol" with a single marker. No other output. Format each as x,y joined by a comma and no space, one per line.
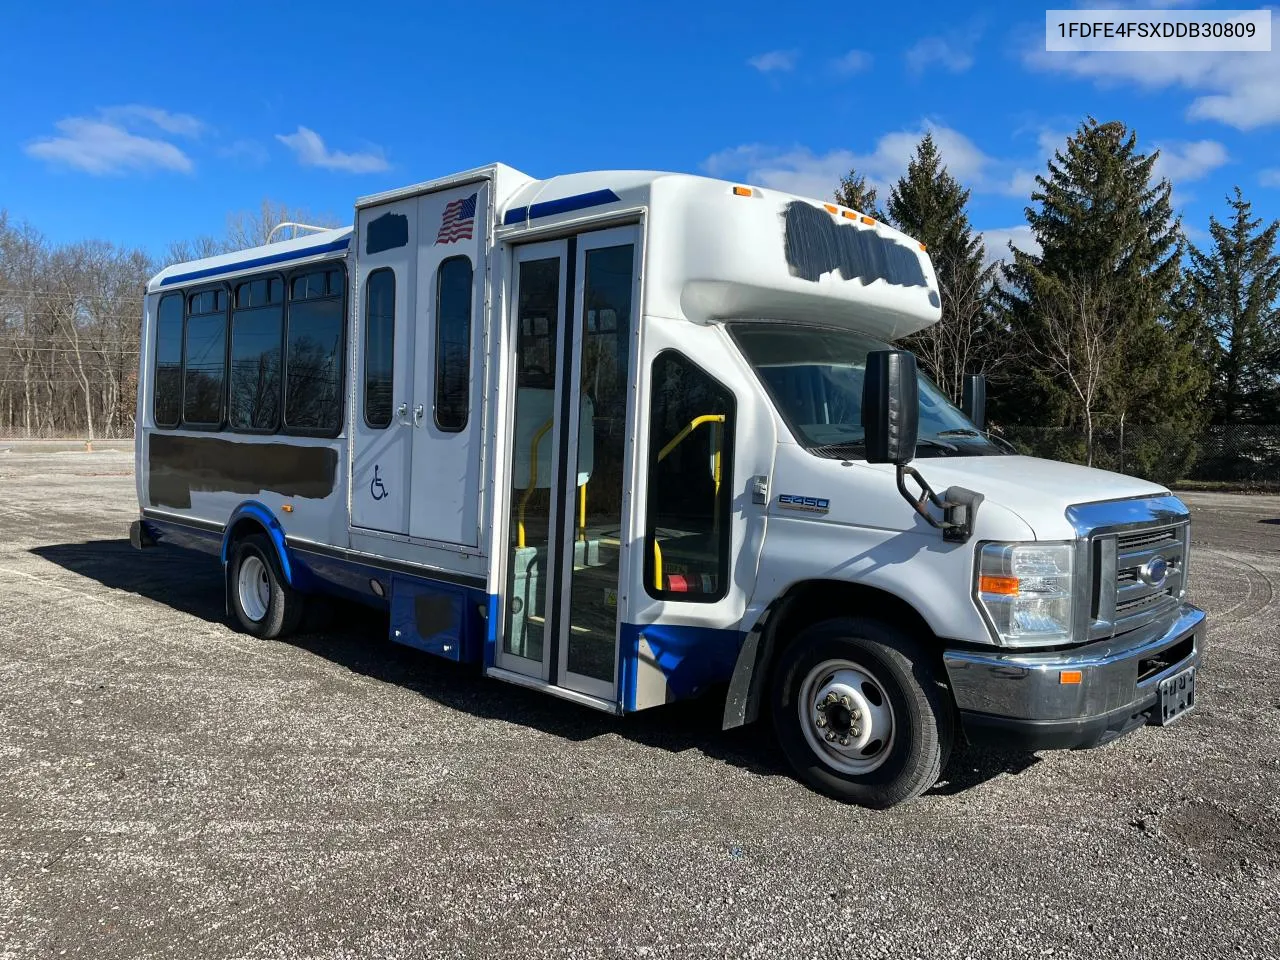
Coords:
376,489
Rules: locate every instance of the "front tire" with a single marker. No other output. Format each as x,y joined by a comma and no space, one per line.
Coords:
859,712
264,603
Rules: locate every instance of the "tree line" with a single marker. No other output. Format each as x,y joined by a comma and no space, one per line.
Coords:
69,322
1115,319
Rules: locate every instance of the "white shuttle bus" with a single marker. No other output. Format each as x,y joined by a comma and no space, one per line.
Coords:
629,437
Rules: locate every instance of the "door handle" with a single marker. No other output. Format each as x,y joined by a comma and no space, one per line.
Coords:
417,415
402,412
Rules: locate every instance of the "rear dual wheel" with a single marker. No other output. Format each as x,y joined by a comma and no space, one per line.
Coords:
859,712
263,601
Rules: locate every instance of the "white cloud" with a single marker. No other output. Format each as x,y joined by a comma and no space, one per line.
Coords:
135,114
311,152
1269,177
775,60
799,170
855,61
998,239
100,147
1237,89
1189,161
953,52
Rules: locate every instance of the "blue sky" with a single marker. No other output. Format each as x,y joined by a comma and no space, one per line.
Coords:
144,123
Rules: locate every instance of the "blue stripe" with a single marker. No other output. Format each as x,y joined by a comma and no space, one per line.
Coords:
257,262
549,208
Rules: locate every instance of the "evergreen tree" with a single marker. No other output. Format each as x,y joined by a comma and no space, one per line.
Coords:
1108,238
855,193
1235,284
928,204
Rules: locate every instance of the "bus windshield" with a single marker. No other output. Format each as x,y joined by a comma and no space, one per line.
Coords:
814,376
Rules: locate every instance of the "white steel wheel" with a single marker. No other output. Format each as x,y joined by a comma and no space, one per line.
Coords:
254,587
846,716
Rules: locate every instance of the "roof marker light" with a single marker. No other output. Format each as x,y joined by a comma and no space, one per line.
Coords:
831,208
923,248
848,214
869,221
742,191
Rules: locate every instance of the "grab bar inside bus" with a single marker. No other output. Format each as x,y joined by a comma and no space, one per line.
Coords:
533,482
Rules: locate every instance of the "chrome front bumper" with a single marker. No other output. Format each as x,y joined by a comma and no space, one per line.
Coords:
1019,698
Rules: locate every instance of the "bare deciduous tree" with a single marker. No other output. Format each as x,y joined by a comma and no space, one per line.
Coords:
1078,341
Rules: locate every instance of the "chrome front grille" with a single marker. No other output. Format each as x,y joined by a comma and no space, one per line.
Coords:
1146,570
1136,552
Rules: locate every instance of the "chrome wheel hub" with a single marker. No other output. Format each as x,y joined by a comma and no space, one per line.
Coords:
846,716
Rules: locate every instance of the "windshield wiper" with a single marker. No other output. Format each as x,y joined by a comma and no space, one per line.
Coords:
832,449
959,432
940,444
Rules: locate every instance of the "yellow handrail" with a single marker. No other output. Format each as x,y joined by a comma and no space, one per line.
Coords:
533,482
679,438
694,424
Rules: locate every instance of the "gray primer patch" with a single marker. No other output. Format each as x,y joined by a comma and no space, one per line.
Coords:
387,232
816,244
177,465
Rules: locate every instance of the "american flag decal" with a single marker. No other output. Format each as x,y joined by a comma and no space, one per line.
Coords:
458,220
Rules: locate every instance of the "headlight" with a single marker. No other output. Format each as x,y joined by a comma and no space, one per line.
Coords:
1026,591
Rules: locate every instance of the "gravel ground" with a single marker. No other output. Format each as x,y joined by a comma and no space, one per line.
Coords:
172,788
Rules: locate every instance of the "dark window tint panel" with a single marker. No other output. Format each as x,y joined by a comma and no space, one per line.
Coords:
379,346
255,368
308,286
313,366
168,370
204,367
453,344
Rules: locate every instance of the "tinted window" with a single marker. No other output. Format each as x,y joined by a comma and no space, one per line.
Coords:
453,343
256,327
379,343
168,369
313,364
204,357
691,428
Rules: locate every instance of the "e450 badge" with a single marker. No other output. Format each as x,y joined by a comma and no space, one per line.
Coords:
791,501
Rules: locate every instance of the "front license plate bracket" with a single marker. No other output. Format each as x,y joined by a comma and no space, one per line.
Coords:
1177,695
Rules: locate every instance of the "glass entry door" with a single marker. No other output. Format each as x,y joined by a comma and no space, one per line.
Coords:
574,323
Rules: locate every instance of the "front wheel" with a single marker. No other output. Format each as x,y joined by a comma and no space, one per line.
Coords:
859,712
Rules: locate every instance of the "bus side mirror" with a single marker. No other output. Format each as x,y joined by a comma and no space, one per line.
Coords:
890,407
974,404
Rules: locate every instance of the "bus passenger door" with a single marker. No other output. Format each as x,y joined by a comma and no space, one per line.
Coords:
383,299
574,321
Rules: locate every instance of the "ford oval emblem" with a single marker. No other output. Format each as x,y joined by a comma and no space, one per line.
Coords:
1154,572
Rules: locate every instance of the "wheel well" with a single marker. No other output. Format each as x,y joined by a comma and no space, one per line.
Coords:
813,601
242,528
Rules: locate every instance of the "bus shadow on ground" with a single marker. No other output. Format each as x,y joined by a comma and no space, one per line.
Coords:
356,638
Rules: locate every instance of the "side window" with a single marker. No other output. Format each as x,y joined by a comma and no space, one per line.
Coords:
257,322
204,358
453,344
379,346
691,430
313,359
167,376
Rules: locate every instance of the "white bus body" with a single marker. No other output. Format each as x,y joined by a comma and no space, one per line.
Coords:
600,434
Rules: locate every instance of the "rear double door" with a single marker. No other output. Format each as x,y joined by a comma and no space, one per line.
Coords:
416,431
573,319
